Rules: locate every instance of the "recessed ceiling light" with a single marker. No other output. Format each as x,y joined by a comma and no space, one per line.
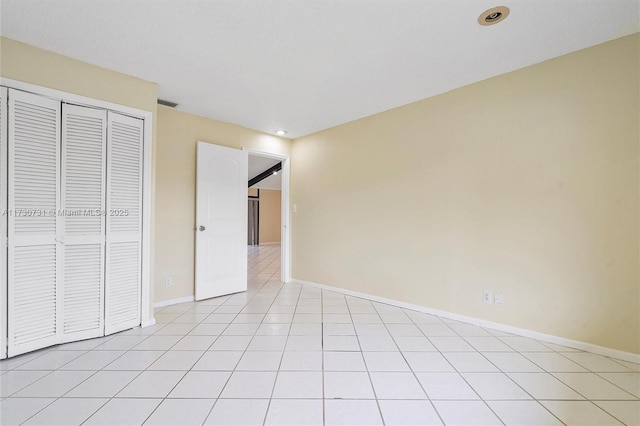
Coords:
493,15
275,173
281,132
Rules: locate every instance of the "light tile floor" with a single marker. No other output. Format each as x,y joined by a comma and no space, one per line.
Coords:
293,354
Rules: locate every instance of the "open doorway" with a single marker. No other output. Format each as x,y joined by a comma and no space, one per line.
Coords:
221,223
267,232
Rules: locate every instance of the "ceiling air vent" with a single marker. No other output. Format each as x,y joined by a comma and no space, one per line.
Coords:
167,103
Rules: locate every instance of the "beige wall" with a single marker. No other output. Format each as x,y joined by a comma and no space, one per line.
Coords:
22,62
178,133
270,216
526,184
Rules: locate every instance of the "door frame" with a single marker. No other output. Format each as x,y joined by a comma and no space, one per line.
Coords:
285,220
146,310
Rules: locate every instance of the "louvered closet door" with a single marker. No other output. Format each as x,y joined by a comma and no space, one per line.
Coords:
34,258
124,222
84,135
3,222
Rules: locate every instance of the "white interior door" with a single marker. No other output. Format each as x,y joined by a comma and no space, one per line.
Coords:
221,221
35,263
84,134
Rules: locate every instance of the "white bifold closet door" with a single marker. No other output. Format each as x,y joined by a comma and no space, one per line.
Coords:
74,228
124,222
84,133
34,255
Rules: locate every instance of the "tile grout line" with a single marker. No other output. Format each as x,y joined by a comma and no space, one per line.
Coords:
503,372
408,365
57,398
275,381
373,389
167,351
499,369
231,373
442,354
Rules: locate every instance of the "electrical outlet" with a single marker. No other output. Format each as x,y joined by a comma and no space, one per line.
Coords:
499,298
486,297
168,281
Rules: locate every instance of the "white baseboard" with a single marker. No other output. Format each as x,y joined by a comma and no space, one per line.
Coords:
148,322
174,301
584,346
269,244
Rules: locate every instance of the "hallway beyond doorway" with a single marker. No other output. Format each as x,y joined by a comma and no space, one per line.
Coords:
263,265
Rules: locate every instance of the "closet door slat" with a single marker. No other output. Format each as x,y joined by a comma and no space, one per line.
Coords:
34,255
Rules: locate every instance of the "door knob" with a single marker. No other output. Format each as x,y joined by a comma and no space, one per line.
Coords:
202,228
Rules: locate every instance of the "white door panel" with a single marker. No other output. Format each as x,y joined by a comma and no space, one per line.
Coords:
35,261
221,216
124,223
84,134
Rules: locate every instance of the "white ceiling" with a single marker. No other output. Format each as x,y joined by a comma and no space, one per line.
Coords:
309,65
258,165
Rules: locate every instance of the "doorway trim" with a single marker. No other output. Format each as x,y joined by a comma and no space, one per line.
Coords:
285,225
